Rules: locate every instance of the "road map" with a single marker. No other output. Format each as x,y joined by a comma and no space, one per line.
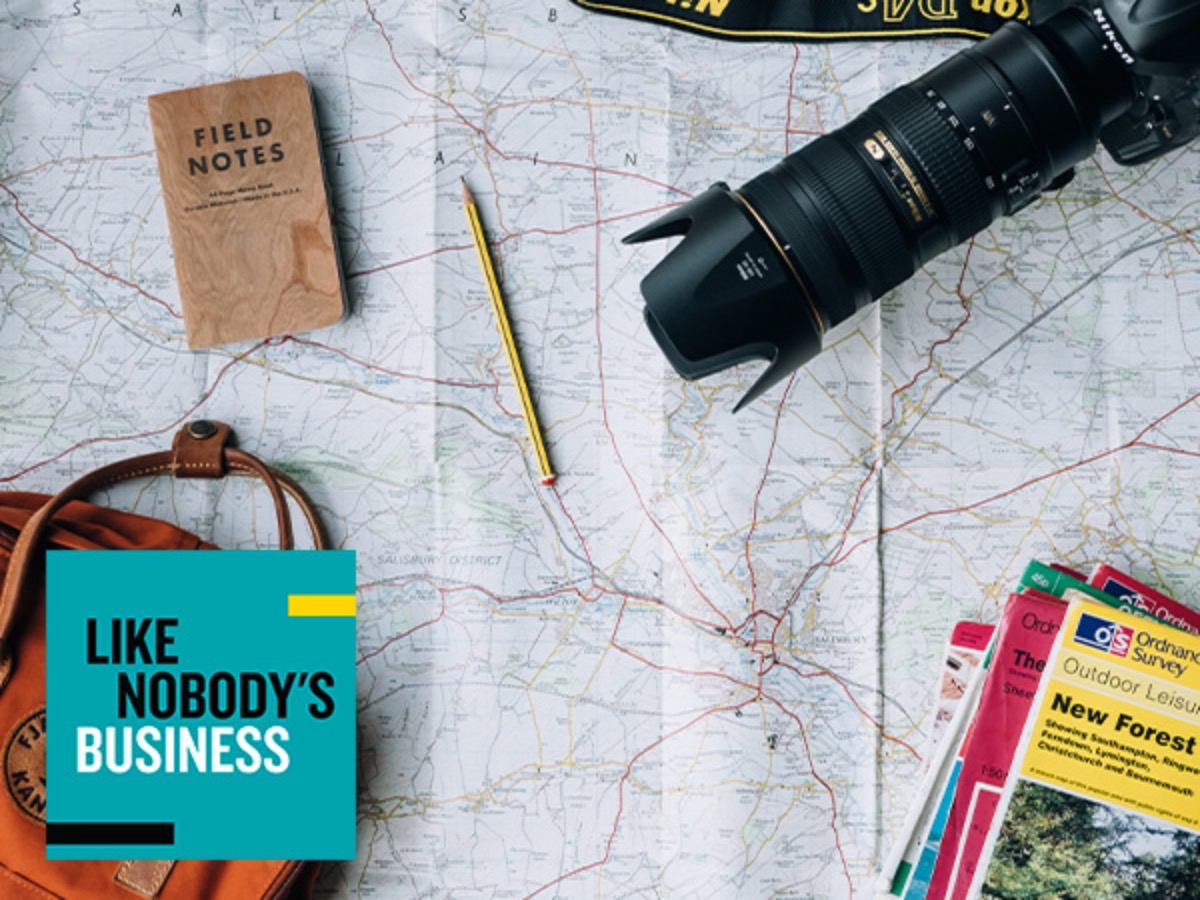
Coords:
701,664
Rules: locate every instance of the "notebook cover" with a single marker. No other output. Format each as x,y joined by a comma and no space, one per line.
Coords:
247,206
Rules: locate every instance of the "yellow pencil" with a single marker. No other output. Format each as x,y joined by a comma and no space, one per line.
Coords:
514,362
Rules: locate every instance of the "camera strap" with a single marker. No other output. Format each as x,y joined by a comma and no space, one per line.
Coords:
827,20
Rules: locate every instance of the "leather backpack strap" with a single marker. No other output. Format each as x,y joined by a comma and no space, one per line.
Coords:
292,488
200,450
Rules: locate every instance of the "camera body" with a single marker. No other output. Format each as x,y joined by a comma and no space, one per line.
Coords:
1164,45
764,271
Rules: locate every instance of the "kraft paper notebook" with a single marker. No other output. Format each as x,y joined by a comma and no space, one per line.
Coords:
247,205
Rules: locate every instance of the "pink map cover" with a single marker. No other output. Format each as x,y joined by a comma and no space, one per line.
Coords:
1027,630
1144,599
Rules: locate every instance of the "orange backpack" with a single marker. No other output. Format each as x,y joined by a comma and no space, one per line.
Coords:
31,523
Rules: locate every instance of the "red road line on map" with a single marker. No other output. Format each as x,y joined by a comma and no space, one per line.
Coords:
482,133
399,637
612,638
1186,234
1165,449
579,870
787,127
500,404
941,342
1086,461
566,101
375,367
824,673
412,259
758,494
63,160
655,601
79,259
574,525
5,479
604,394
359,273
459,589
693,673
585,225
520,598
832,559
837,837
568,589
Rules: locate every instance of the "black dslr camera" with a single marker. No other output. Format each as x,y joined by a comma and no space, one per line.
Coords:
764,271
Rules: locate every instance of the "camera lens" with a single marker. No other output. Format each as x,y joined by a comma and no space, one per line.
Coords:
765,270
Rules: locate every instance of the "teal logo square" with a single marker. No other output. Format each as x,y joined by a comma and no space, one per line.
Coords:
200,704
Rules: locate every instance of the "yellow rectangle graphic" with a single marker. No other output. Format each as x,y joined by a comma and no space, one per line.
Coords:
322,605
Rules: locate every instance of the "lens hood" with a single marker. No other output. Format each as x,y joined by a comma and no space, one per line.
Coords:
725,295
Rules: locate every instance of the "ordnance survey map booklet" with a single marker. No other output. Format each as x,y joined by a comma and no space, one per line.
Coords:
964,654
1029,627
1101,798
951,824
1137,596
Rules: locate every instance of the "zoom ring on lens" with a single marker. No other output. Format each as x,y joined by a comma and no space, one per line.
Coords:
954,177
858,211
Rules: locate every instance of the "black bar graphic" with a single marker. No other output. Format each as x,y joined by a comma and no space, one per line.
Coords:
155,833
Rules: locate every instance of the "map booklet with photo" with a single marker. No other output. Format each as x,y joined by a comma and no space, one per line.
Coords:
1101,798
1028,629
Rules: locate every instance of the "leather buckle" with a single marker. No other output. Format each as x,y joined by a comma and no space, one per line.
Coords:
199,449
